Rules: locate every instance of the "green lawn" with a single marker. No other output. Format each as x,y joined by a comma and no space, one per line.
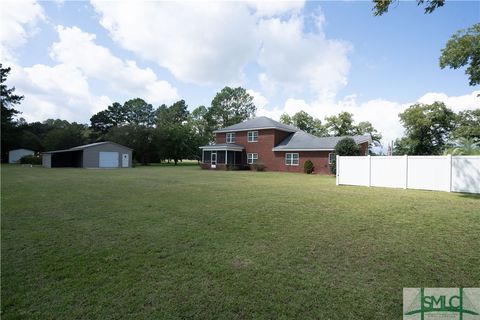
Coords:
179,242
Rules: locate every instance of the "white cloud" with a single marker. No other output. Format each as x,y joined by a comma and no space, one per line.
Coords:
383,114
293,59
212,43
98,62
270,8
197,42
61,91
18,22
468,101
258,99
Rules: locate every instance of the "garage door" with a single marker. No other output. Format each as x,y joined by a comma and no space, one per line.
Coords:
108,159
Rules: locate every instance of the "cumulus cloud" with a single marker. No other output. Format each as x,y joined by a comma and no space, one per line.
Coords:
383,114
197,42
98,62
213,43
295,60
61,91
264,8
258,99
18,21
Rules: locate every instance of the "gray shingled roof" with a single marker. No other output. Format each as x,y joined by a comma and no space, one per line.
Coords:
222,146
258,123
85,146
301,140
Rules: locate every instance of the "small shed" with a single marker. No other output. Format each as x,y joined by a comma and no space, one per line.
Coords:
105,154
14,156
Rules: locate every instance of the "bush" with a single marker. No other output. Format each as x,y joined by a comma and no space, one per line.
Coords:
308,167
347,147
344,147
34,160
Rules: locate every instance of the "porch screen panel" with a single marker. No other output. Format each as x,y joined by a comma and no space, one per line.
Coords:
221,157
207,156
238,157
231,157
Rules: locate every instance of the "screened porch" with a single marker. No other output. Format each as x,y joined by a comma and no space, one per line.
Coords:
219,156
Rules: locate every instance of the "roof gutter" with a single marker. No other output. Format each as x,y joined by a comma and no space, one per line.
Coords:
251,129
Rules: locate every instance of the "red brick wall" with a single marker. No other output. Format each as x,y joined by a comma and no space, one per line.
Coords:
364,149
319,159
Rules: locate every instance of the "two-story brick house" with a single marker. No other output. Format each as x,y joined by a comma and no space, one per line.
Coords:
279,147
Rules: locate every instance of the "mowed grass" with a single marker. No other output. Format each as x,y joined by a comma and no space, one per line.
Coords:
179,242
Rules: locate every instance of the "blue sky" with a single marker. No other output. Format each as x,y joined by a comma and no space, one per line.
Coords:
71,59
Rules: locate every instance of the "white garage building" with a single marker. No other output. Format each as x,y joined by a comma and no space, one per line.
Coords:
105,154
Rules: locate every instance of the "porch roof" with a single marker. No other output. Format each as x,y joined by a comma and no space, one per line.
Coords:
223,147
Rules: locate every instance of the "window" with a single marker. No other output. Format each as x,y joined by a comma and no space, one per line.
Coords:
252,158
331,157
291,159
231,137
252,136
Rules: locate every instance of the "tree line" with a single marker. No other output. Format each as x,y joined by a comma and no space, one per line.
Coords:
174,133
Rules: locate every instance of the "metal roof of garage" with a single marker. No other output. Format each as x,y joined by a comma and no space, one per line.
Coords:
86,146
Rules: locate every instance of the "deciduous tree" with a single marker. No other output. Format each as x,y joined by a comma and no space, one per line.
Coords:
230,106
427,128
463,49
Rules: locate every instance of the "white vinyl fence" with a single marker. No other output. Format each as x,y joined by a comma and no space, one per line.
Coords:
444,173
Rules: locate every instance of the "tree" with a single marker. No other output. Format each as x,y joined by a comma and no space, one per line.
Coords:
200,128
305,122
381,6
463,49
135,136
175,137
427,128
365,127
344,147
468,125
347,147
138,112
64,135
341,125
113,116
135,111
464,146
230,106
8,99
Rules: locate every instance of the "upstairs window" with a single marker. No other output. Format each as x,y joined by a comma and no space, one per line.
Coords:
230,137
252,136
291,159
252,158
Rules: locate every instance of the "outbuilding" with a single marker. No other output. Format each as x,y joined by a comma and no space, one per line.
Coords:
105,154
14,156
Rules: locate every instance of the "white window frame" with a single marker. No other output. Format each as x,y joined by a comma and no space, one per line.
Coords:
289,159
252,158
252,136
330,160
230,137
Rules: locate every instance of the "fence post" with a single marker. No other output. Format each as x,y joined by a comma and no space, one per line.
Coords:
369,158
337,164
450,172
406,172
